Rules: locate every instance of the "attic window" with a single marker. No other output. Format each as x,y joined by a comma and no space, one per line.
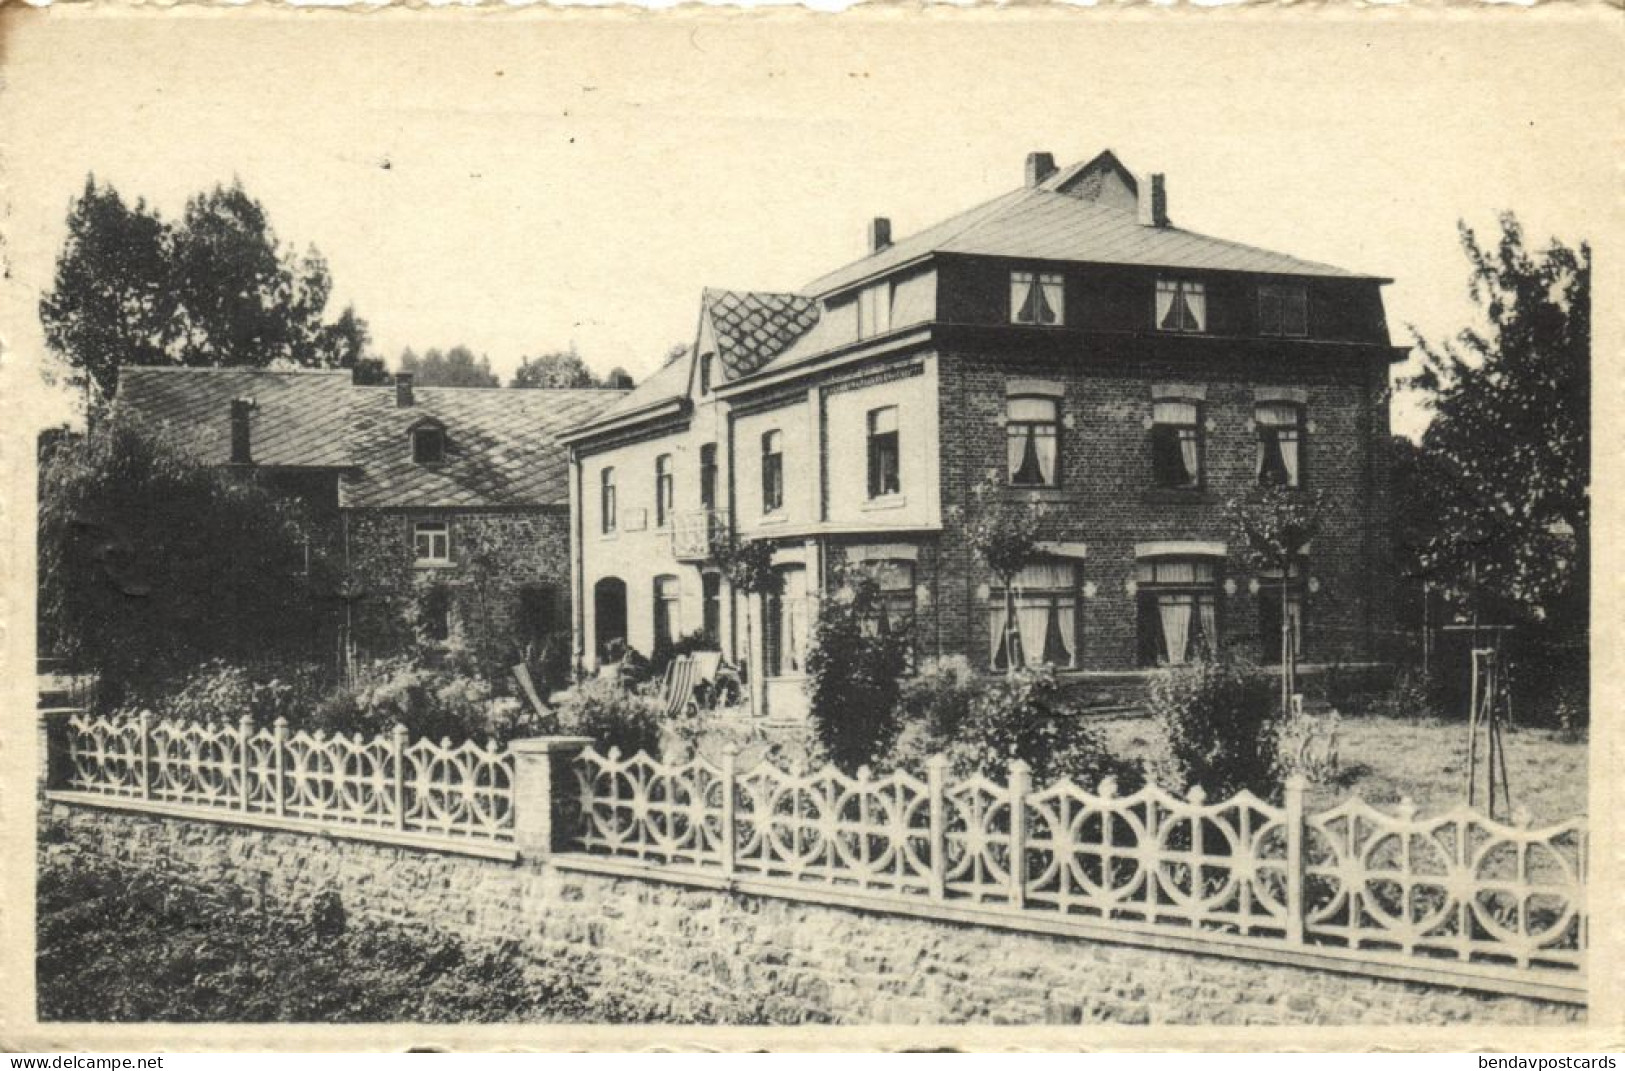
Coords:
1181,305
1283,309
706,360
428,445
1036,299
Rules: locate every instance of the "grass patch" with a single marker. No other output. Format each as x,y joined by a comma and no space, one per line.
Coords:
1386,759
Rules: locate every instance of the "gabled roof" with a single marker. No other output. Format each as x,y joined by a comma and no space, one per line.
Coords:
1065,218
301,418
750,328
746,329
501,449
502,444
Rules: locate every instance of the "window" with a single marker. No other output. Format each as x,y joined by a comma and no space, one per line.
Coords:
885,477
429,446
1036,298
785,641
894,581
1278,596
874,310
1283,309
1179,609
606,499
1176,444
772,471
1280,444
711,608
431,542
1035,622
706,361
708,475
663,490
1032,428
1181,305
434,613
668,612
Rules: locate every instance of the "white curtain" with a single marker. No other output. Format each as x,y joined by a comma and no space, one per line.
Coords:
1067,614
1210,622
1016,446
996,621
1289,459
1195,296
1044,446
1176,625
1051,285
1165,307
1032,615
1187,454
1044,576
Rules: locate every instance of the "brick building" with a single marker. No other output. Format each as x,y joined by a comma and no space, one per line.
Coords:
434,509
1064,341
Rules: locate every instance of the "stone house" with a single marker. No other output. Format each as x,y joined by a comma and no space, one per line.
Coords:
438,513
1063,341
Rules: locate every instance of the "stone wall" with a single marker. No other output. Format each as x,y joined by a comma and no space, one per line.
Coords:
715,956
494,554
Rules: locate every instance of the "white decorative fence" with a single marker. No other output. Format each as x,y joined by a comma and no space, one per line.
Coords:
386,784
1459,893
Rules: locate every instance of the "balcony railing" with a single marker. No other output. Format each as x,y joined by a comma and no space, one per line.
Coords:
693,531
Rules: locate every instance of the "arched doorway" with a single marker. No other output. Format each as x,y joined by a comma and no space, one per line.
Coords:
608,613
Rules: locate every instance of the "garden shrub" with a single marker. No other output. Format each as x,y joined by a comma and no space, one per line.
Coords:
609,712
1218,718
982,724
853,673
220,691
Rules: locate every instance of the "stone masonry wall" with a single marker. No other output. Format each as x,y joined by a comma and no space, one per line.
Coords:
713,956
525,546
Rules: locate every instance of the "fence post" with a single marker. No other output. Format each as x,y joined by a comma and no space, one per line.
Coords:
729,845
544,793
936,776
1021,783
245,768
1295,787
397,754
279,732
144,754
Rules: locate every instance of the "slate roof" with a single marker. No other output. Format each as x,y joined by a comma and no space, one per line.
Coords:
501,444
301,418
750,328
1044,223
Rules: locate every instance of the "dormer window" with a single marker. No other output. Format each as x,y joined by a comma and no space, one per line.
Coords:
874,310
1283,309
1181,305
428,444
1037,298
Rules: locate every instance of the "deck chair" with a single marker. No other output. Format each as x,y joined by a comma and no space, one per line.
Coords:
677,690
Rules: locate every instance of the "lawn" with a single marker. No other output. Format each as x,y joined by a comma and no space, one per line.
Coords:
1386,759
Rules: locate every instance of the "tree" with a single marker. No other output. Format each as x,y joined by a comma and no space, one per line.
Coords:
565,370
150,563
456,367
1507,473
1275,524
854,674
215,288
1003,534
560,370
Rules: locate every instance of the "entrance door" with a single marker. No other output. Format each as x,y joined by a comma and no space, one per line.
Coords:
608,613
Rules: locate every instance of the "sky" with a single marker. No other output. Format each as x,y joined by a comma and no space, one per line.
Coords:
521,183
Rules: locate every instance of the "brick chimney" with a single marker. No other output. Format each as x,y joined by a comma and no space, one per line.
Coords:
879,234
242,452
403,390
1040,166
1153,202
